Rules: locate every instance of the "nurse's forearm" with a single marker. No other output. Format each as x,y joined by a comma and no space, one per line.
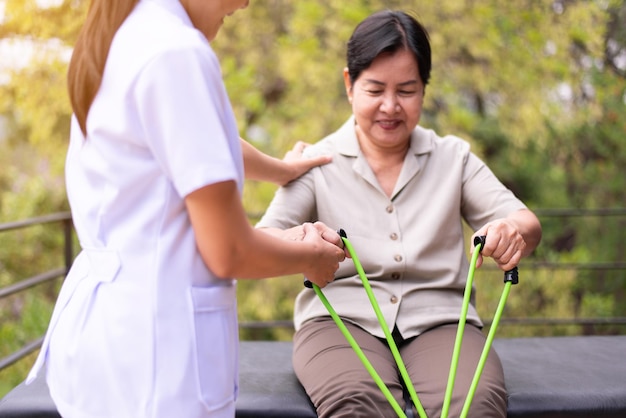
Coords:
262,167
231,247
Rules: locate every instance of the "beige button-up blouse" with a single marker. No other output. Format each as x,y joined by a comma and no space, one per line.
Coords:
411,245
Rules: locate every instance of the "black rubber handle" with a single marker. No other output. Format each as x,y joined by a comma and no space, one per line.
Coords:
511,276
480,239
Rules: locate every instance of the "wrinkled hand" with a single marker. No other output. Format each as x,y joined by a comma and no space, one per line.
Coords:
328,259
297,165
331,236
294,234
504,243
328,234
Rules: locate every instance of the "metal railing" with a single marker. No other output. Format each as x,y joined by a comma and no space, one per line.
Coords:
65,220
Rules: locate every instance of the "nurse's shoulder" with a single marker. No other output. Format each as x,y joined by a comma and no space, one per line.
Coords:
154,29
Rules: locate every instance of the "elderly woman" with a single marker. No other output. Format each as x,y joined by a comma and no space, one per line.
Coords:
401,192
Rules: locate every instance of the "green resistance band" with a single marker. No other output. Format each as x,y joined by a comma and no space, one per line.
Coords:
510,278
357,349
459,332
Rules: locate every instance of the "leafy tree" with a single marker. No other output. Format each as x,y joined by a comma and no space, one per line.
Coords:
537,87
35,112
518,79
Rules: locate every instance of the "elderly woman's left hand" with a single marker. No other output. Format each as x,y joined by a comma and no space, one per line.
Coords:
504,243
511,238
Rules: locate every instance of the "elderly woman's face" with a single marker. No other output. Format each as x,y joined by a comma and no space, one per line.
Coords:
387,99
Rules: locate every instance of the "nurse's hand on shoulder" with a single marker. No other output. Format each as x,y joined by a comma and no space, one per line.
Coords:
329,255
297,164
260,166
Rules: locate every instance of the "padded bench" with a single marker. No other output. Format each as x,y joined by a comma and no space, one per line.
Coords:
546,378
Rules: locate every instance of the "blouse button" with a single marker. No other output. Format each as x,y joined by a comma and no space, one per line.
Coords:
393,299
389,208
395,276
393,236
397,257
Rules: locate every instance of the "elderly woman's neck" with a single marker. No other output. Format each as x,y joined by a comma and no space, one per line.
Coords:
385,162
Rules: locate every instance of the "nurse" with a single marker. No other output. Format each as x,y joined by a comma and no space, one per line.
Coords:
146,324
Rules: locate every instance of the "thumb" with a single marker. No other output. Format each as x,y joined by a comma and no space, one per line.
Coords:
310,231
317,160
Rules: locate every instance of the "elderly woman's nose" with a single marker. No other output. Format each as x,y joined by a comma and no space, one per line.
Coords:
389,103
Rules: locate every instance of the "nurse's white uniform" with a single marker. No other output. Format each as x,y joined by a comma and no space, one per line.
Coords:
141,327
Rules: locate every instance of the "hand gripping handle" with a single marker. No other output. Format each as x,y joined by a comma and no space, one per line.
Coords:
510,275
342,234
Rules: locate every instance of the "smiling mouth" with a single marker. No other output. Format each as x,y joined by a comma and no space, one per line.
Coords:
389,124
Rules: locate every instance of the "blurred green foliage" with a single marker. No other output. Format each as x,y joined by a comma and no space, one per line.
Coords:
537,87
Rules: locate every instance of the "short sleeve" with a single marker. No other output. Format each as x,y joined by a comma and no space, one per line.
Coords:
485,198
293,204
187,119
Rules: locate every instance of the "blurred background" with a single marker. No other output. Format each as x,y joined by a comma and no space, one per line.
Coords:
538,87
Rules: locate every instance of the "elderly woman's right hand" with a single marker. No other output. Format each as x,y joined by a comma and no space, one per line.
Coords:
331,236
329,256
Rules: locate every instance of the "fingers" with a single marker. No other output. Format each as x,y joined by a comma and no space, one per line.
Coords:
299,146
322,283
296,164
294,234
330,255
329,234
309,163
295,156
503,243
295,153
326,234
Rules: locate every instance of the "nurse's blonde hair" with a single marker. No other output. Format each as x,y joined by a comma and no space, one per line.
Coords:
90,53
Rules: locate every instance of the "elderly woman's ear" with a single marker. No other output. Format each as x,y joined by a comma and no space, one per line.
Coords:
347,83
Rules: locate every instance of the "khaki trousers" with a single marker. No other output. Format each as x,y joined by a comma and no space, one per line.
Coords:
340,386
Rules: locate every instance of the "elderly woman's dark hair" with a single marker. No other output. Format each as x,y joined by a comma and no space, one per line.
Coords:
388,31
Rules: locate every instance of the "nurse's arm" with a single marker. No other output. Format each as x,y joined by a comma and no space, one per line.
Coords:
297,233
260,166
232,248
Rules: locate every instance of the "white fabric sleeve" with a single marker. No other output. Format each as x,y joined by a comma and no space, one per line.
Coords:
188,119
